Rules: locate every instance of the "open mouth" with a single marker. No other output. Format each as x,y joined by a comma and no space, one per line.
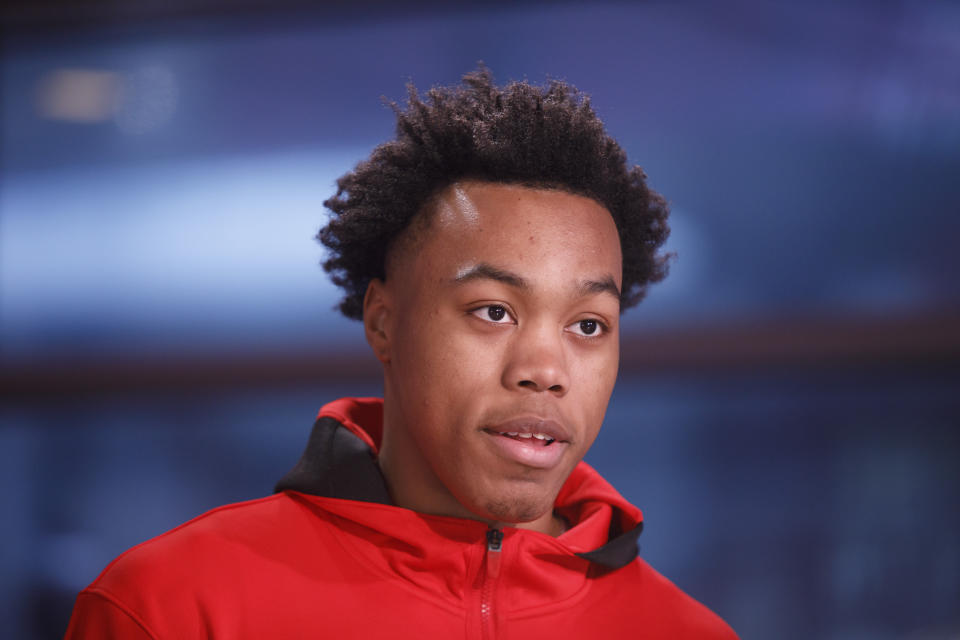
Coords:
538,439
533,443
530,440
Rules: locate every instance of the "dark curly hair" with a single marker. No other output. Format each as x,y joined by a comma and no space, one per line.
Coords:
546,137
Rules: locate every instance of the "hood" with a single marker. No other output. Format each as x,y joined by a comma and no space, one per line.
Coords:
340,463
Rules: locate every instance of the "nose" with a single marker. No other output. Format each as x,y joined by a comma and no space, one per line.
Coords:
537,361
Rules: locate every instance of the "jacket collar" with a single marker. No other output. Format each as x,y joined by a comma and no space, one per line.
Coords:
340,462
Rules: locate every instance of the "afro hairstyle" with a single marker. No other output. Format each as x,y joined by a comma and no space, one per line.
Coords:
520,134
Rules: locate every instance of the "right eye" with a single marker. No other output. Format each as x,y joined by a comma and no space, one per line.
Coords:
495,313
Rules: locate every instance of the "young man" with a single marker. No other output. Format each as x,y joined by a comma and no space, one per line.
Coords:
489,251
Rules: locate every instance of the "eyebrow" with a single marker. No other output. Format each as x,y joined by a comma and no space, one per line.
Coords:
485,271
607,285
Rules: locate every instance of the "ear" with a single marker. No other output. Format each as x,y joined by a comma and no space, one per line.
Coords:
377,308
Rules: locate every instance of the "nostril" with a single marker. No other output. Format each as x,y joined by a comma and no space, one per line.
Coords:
530,384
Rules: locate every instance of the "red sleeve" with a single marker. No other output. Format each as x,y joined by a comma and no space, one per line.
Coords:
96,615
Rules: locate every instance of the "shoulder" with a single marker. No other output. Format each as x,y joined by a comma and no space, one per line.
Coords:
215,552
194,540
213,571
666,609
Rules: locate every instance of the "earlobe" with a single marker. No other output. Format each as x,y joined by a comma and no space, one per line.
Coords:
376,313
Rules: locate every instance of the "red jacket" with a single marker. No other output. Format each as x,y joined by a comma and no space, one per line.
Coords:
328,556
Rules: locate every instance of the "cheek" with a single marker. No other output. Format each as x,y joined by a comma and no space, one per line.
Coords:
597,374
445,366
442,344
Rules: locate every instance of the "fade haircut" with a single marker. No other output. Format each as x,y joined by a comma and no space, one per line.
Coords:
520,134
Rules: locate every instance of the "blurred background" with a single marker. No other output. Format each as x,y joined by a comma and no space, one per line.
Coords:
788,411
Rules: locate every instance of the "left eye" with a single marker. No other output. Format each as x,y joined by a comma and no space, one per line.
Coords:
495,313
588,327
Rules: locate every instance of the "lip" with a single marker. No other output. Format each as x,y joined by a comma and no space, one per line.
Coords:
530,452
532,424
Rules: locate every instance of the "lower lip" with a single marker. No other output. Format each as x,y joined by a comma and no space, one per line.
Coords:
526,452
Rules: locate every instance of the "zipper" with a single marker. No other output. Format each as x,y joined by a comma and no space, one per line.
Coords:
491,570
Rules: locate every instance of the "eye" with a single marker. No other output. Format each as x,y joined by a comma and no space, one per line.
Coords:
495,313
590,328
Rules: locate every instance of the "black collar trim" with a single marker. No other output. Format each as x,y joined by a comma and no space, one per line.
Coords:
336,464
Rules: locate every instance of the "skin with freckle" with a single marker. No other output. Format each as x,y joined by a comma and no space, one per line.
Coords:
453,368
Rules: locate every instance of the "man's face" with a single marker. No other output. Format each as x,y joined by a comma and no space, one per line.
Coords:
498,326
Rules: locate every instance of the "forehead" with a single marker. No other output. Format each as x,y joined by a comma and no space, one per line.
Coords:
519,225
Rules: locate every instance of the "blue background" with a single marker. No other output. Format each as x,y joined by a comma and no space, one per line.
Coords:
787,416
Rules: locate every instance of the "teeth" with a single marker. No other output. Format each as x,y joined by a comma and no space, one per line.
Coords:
527,436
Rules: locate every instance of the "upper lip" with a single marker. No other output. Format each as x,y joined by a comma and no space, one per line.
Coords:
531,425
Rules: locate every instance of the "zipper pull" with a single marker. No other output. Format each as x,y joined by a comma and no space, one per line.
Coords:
494,543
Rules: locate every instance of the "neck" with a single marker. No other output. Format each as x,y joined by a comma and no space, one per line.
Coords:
413,485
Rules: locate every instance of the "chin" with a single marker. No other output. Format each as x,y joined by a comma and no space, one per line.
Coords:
517,508
510,495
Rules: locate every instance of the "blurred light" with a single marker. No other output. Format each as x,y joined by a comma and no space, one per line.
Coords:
167,248
148,99
690,265
78,95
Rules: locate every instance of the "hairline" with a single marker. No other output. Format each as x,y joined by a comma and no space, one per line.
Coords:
410,235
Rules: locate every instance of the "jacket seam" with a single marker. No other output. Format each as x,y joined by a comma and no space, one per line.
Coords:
358,504
202,516
127,611
358,553
578,594
559,546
